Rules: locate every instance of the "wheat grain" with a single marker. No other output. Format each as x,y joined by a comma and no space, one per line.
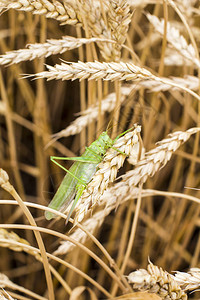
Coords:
82,12
155,280
52,46
175,39
107,171
4,179
132,3
72,13
90,224
3,280
190,280
6,282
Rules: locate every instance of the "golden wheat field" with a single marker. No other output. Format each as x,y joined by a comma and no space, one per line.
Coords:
117,84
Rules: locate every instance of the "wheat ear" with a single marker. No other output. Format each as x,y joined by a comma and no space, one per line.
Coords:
175,39
107,71
107,171
158,157
119,17
52,46
5,235
65,13
95,71
155,280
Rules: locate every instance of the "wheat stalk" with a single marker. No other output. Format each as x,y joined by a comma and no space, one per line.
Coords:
175,39
107,171
155,280
52,46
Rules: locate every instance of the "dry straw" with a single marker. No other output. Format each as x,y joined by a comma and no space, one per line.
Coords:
155,280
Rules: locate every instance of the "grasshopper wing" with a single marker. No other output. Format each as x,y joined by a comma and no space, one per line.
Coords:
65,193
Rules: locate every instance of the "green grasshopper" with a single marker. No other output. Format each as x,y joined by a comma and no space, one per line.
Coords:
79,174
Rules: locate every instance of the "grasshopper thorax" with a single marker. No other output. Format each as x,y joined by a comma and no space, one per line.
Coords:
101,144
108,142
